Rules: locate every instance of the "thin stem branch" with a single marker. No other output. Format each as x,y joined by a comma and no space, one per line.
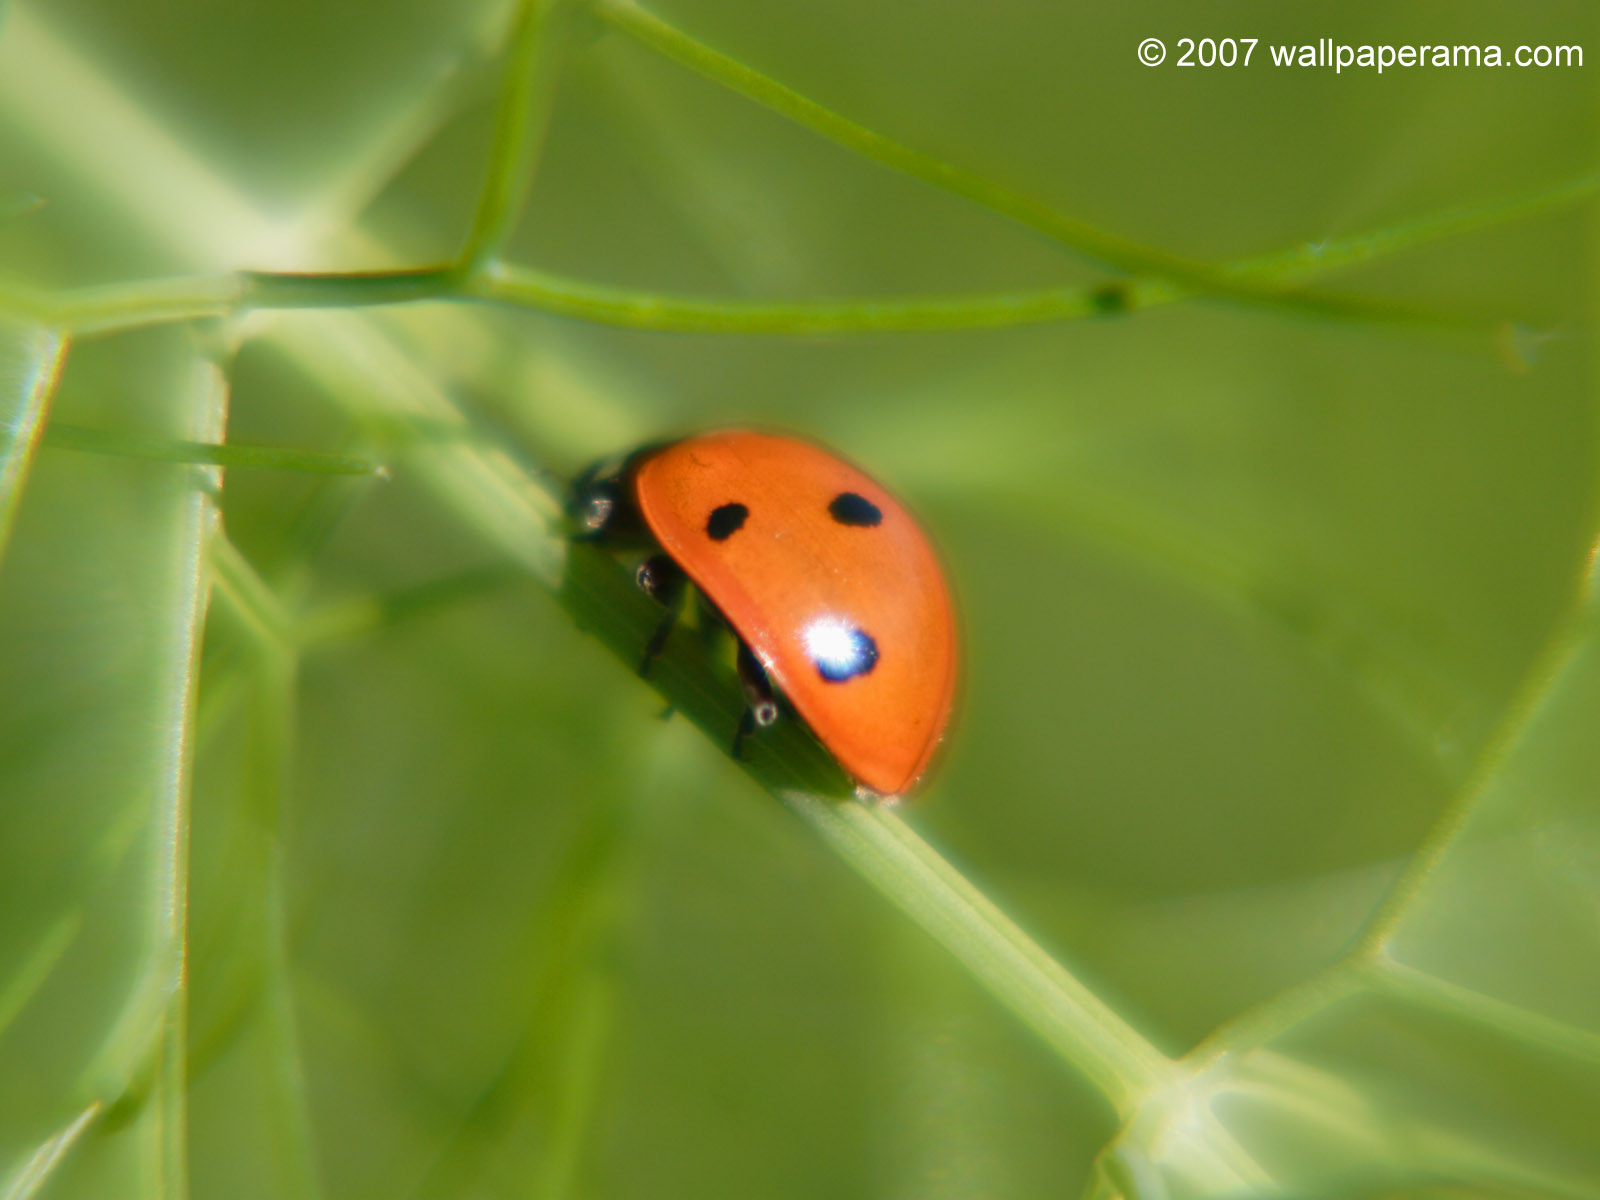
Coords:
628,308
526,100
63,436
1320,258
38,1168
33,361
289,1111
126,307
270,623
349,289
1572,635
642,310
1190,277
1081,1028
112,308
650,30
195,523
1570,1042
633,309
1260,1024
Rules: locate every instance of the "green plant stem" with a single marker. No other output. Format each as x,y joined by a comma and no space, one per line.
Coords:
1260,1024
35,967
516,287
523,118
257,606
577,1076
89,315
671,42
1334,254
227,454
1568,1041
642,310
36,1170
629,308
1189,276
1082,1029
1571,637
349,289
270,760
113,308
30,363
194,522
171,1108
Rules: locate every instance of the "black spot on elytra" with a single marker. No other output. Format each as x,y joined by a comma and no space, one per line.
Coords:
725,521
847,508
856,655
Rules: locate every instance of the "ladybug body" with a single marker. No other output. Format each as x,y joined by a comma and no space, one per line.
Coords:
833,591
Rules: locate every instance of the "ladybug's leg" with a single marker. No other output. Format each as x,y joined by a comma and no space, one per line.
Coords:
757,687
662,580
761,706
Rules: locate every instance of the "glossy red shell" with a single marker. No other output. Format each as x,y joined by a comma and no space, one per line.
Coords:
792,568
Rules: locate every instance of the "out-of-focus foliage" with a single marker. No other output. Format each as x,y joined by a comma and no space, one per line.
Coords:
336,860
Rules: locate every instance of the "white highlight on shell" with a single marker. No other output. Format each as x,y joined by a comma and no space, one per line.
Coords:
834,644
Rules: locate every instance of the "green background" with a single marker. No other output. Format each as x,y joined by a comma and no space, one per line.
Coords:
1261,595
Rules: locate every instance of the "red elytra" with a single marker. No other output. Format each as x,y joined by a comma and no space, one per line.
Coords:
827,579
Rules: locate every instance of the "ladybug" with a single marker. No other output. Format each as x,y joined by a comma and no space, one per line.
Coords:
834,594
